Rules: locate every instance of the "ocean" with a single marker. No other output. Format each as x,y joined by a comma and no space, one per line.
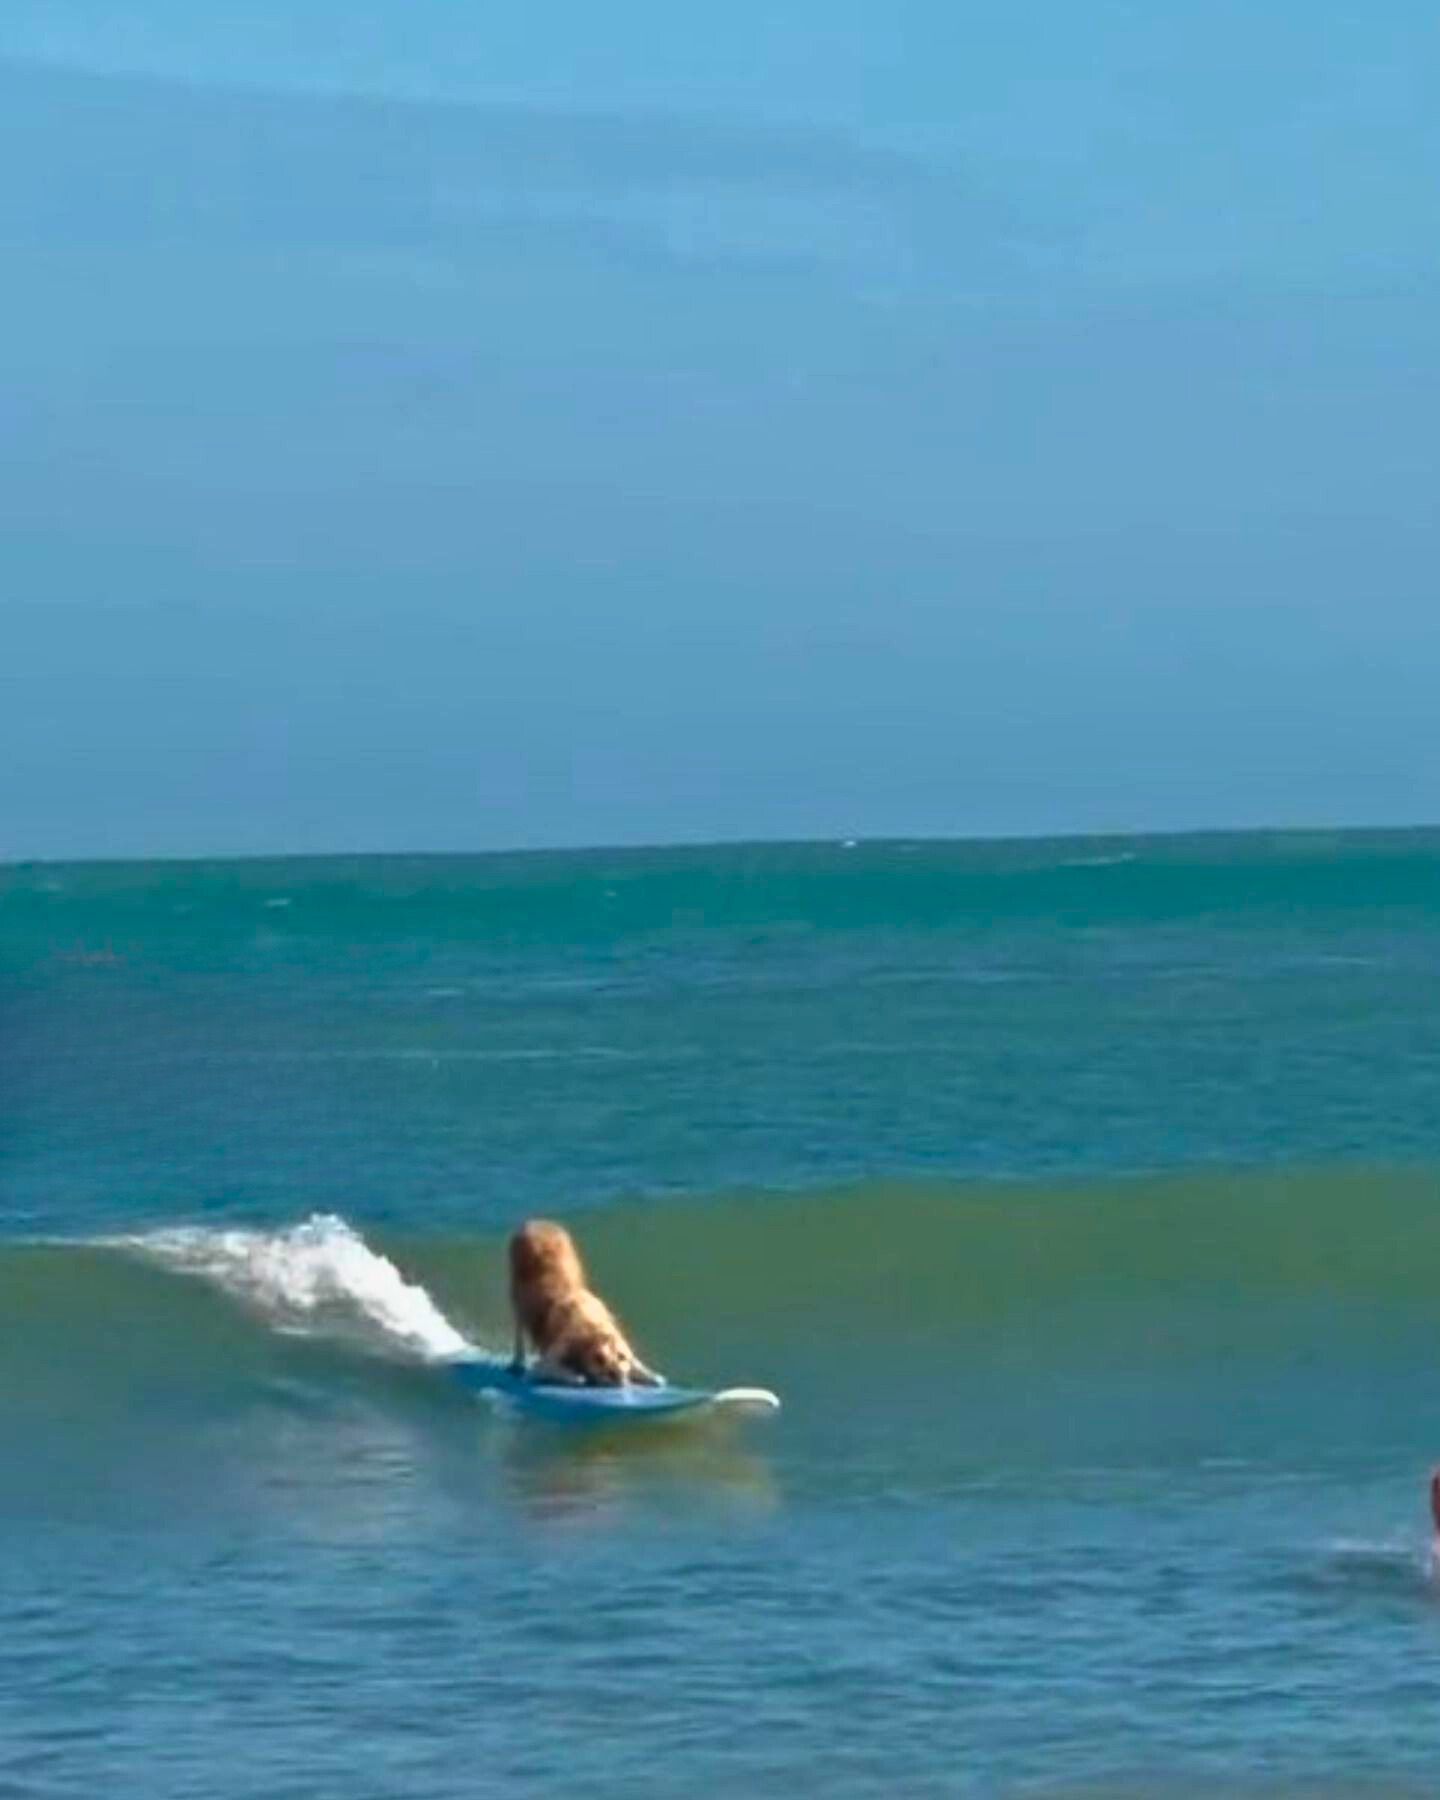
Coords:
1081,1199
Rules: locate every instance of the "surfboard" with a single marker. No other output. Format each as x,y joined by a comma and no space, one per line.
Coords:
564,1404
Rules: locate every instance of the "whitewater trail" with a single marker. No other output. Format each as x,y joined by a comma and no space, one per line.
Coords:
318,1276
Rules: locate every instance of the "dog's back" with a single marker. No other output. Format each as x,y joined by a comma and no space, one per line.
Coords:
546,1274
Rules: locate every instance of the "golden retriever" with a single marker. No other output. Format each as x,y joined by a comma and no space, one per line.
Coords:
575,1336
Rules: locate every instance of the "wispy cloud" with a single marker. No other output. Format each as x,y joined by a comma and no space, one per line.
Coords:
125,159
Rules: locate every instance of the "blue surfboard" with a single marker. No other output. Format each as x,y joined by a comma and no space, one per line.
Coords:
564,1404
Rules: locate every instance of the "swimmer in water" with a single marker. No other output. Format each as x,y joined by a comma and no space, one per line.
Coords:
1435,1523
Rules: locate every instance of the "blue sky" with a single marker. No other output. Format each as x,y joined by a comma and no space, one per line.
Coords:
436,430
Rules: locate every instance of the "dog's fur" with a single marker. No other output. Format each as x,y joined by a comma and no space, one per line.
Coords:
575,1335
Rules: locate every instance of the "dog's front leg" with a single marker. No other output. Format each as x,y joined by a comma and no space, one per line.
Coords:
517,1361
646,1377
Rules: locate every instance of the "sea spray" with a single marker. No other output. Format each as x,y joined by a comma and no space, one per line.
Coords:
314,1276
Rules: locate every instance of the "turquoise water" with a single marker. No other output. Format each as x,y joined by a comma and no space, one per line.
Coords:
1079,1198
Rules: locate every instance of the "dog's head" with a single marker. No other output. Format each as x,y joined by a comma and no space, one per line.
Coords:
605,1361
541,1251
609,1366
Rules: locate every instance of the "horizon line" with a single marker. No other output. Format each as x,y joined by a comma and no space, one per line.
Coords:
642,847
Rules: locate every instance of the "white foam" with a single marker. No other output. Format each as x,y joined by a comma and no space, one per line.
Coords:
317,1276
